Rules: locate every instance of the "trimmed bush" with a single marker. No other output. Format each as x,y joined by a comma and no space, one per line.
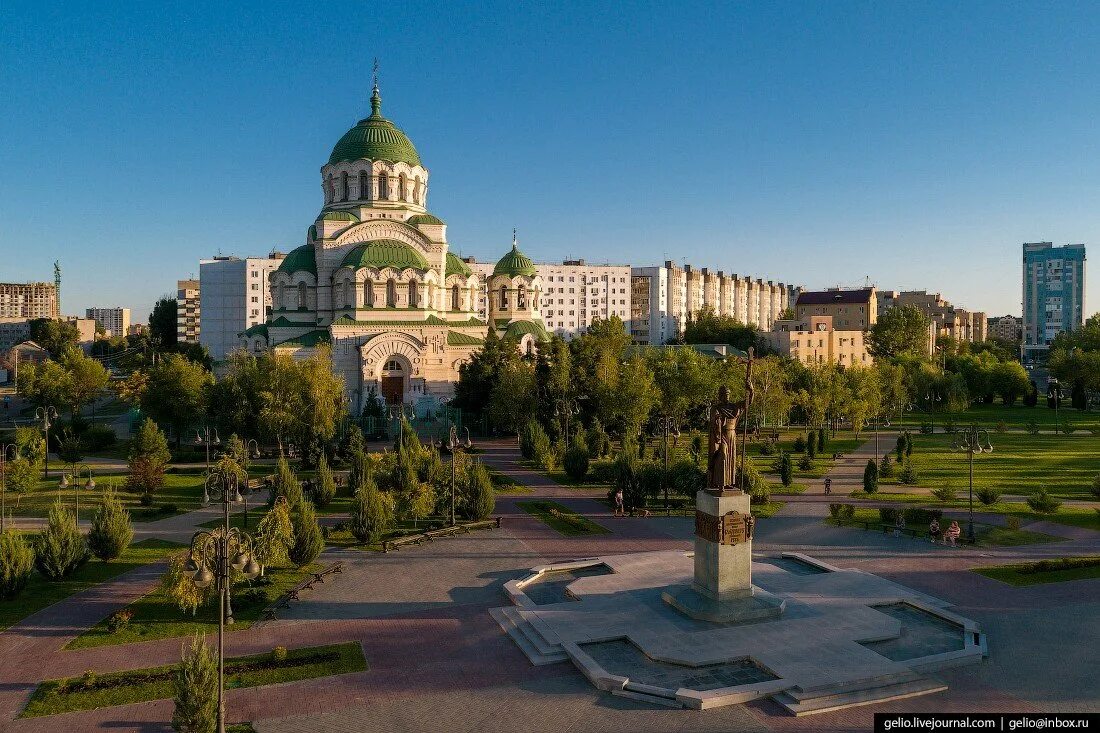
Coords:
886,467
16,563
921,515
371,514
988,496
308,542
786,470
799,445
870,477
576,460
888,514
908,474
1043,503
60,548
1031,427
111,531
811,445
99,437
944,493
196,685
481,500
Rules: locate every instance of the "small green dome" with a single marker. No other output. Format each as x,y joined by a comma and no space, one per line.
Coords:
424,219
381,253
339,216
455,266
515,263
518,329
375,138
300,259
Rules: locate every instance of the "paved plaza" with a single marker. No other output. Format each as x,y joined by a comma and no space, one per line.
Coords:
438,660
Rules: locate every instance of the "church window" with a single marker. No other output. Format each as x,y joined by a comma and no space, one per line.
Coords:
391,293
401,182
393,365
383,187
368,294
522,297
301,295
414,294
503,296
344,186
416,190
364,185
454,298
330,190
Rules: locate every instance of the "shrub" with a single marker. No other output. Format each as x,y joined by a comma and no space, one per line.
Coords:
900,447
1095,489
886,467
99,437
22,475
799,445
324,488
847,512
60,548
811,445
767,448
576,460
527,438
761,493
119,620
751,481
371,514
950,427
920,515
308,542
834,510
806,462
925,428
908,444
686,478
1002,427
196,688
1031,427
1012,523
481,499
988,496
286,484
786,471
279,653
908,474
888,514
944,493
870,477
16,563
111,531
696,447
597,441
1043,503
1067,427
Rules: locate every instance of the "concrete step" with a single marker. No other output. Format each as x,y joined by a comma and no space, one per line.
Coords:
870,696
867,683
514,627
643,697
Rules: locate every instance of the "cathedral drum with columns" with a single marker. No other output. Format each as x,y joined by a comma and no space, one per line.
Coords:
375,279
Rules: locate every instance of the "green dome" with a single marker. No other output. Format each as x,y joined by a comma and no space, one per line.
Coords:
301,259
455,266
375,138
518,329
424,219
515,263
385,253
339,216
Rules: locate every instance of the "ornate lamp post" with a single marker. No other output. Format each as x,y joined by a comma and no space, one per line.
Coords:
5,448
64,483
213,554
252,448
47,415
1056,395
204,439
972,440
566,408
932,397
455,446
666,424
879,421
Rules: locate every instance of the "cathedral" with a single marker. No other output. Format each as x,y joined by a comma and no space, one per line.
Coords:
375,279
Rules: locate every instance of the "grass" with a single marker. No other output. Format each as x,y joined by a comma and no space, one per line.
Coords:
562,518
53,697
505,484
156,616
41,592
843,442
1046,571
1014,417
344,538
987,535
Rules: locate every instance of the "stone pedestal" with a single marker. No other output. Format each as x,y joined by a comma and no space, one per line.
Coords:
722,590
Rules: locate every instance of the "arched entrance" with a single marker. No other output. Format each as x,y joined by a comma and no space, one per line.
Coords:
394,374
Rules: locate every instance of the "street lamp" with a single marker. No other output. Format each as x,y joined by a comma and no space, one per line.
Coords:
883,421
454,445
204,439
1055,394
972,440
64,483
932,397
666,424
252,448
211,556
47,415
4,449
566,408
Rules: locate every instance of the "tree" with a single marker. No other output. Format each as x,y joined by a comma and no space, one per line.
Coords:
175,393
870,477
60,548
478,376
705,327
54,335
576,459
514,397
22,475
86,379
236,449
149,456
111,531
163,322
1010,380
422,502
371,514
16,563
786,471
196,689
481,499
325,485
286,484
308,542
900,330
178,584
274,536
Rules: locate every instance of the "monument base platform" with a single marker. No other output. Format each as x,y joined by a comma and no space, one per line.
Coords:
753,604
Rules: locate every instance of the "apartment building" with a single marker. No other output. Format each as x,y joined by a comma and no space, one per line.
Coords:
948,320
29,300
234,295
1053,294
114,321
1006,328
187,311
816,340
850,309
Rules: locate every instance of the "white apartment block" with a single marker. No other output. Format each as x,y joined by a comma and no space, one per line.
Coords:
575,294
115,321
187,311
234,295
665,296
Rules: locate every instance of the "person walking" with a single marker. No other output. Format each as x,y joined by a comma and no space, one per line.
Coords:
828,486
899,524
934,530
620,509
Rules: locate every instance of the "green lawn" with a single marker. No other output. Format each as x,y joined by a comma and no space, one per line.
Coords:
40,592
987,535
1014,418
1019,464
562,518
53,697
505,484
1054,571
843,442
155,616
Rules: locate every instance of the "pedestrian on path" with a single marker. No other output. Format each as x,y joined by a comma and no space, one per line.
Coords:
952,533
933,530
620,510
828,486
899,524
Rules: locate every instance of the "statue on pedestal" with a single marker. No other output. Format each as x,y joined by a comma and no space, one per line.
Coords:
722,473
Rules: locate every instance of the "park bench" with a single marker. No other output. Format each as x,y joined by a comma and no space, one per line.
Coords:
887,528
432,534
293,594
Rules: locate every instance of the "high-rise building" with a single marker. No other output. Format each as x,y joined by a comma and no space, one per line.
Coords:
187,311
575,294
1053,293
115,321
29,300
664,297
234,295
1006,328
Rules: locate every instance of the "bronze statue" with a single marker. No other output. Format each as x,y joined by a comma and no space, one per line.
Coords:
722,446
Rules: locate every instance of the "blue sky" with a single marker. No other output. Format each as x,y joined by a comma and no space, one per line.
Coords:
915,143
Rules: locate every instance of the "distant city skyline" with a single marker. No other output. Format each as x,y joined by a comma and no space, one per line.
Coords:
917,145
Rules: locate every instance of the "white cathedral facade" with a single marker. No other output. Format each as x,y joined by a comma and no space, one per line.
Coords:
375,280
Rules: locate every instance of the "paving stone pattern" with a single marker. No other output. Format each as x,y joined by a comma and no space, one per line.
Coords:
623,658
550,587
